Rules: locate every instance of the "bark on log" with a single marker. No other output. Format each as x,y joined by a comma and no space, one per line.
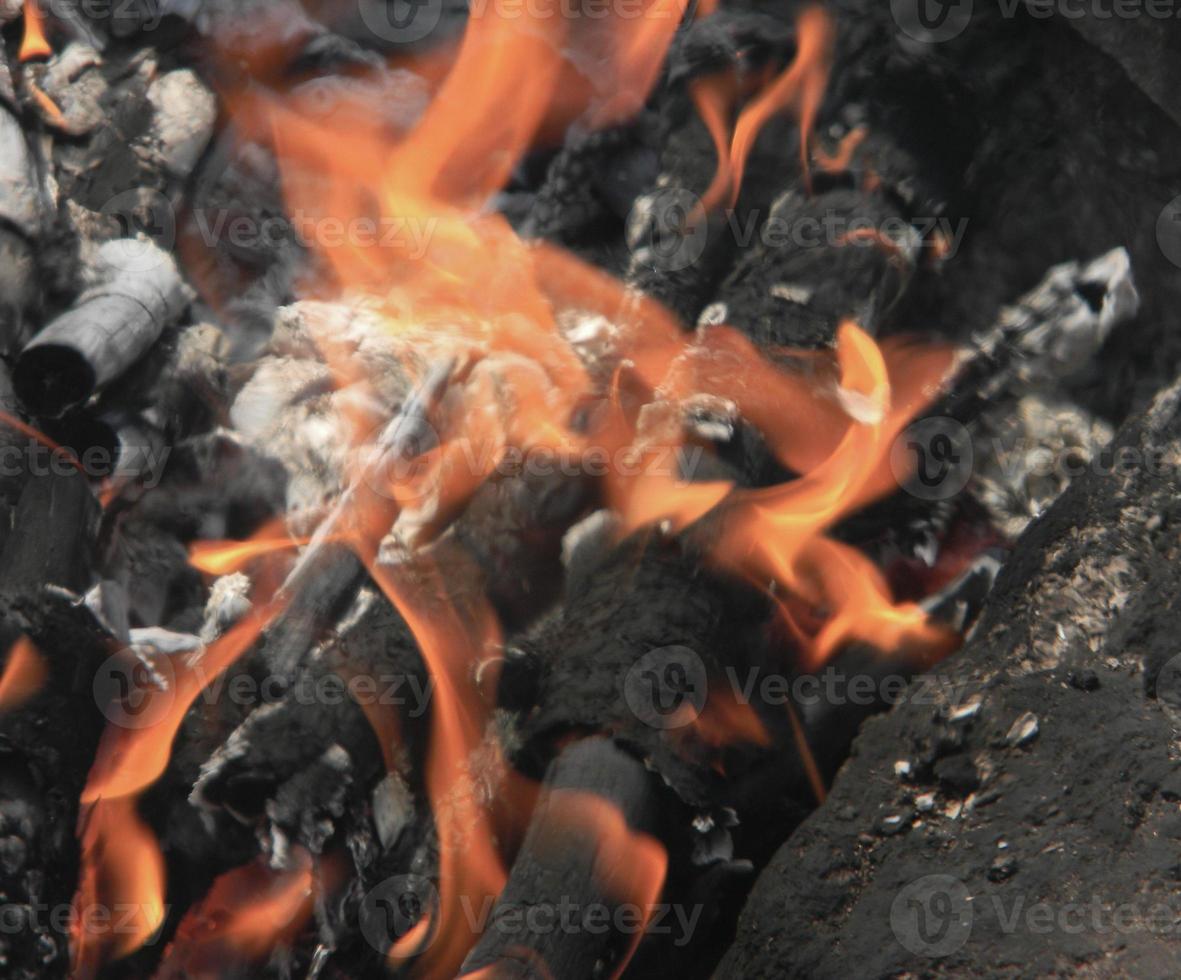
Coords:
957,819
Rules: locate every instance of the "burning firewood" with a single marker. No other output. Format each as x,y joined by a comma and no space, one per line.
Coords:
448,457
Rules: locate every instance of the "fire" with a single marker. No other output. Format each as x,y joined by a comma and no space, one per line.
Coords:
630,866
247,912
24,674
470,866
120,900
34,44
778,533
457,286
725,720
800,89
224,557
131,759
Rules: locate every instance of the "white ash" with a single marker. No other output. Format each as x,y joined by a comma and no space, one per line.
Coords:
1023,731
393,808
229,601
285,411
1030,456
74,82
108,602
184,115
714,315
20,204
160,640
595,339
1032,437
789,293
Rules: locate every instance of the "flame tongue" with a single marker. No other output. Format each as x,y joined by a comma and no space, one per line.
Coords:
246,912
34,44
24,674
120,900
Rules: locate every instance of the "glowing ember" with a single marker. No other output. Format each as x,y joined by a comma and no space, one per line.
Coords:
24,674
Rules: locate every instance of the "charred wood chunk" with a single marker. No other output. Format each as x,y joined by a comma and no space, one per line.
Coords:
43,765
52,536
109,329
558,872
635,650
913,855
20,227
818,261
368,678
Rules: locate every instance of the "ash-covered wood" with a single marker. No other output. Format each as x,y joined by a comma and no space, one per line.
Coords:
109,329
1040,776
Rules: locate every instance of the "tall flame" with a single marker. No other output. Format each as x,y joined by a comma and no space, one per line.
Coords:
800,89
119,904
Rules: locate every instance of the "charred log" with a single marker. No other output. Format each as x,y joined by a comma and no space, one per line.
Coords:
556,870
108,330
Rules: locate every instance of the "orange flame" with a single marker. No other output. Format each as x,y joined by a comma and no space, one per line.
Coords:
725,720
469,865
24,674
800,88
224,557
778,532
630,866
842,156
34,44
245,914
131,759
120,900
